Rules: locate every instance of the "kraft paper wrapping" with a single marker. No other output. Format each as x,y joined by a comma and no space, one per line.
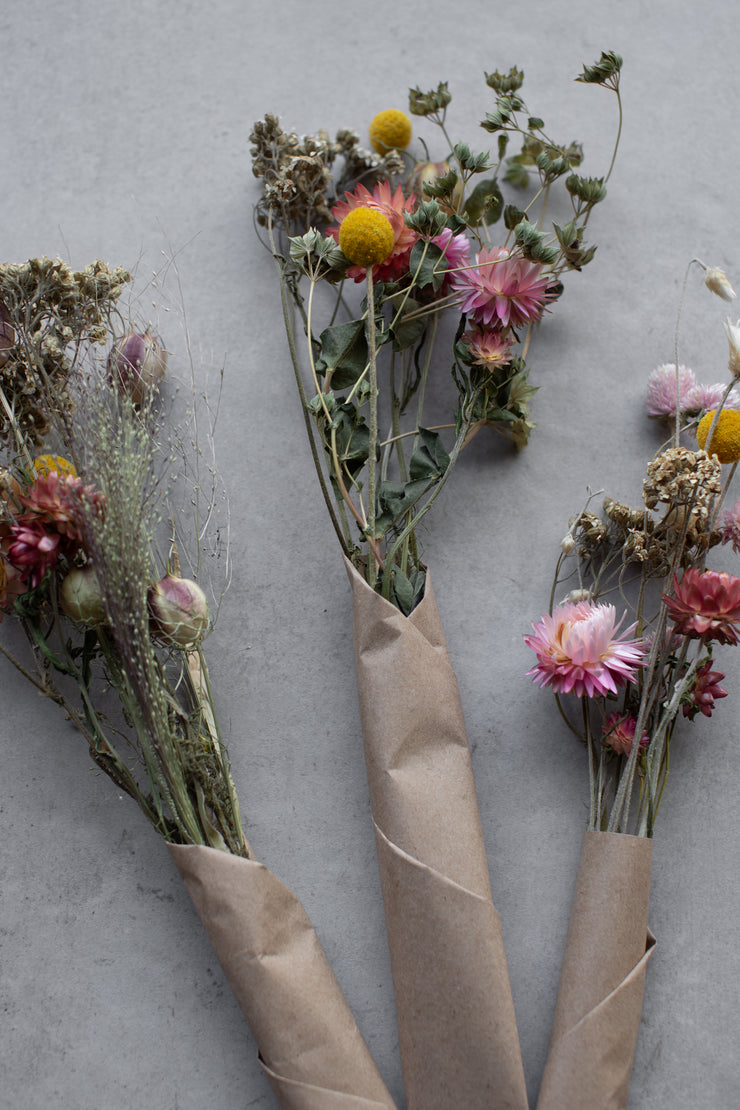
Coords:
597,1014
310,1047
457,1028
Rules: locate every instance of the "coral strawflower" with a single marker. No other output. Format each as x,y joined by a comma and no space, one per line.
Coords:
705,691
725,442
488,347
502,290
393,205
705,605
619,733
390,130
366,237
578,650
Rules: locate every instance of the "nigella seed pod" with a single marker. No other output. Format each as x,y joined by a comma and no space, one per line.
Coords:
179,611
7,335
137,362
80,598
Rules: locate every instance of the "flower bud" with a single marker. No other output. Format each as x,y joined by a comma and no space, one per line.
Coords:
179,611
426,173
7,335
80,598
137,362
716,281
733,338
567,544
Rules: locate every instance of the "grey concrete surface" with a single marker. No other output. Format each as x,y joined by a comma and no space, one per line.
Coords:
124,135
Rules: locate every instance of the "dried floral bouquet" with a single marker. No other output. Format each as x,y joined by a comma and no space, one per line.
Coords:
416,236
645,566
85,513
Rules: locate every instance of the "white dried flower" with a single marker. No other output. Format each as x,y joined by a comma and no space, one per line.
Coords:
716,281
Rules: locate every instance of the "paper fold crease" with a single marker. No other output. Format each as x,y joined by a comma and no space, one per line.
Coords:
597,1014
457,1027
310,1047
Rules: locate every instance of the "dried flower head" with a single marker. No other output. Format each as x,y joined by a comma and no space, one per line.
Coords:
393,205
680,476
366,237
704,692
705,605
619,733
488,347
665,392
578,650
502,290
717,282
390,130
731,527
725,441
733,338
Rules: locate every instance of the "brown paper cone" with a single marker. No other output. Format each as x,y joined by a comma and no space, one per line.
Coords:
310,1047
457,1028
597,1014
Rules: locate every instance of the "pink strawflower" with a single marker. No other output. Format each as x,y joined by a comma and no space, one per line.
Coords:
489,348
502,290
704,398
456,250
661,390
579,652
50,525
705,605
392,205
731,527
619,733
705,690
32,547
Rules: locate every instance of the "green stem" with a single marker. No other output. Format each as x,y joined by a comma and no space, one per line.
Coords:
373,402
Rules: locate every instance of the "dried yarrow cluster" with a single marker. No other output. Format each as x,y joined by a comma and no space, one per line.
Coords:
47,310
299,187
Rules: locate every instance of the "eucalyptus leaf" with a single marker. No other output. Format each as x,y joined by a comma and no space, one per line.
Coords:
343,352
425,265
430,459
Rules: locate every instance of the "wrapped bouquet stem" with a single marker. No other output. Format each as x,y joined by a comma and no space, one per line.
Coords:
432,863
597,1013
373,251
114,637
634,687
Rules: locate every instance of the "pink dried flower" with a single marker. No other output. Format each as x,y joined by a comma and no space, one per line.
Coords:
179,610
392,205
705,691
502,290
703,398
488,347
138,363
619,733
456,249
33,547
705,605
579,652
661,391
731,527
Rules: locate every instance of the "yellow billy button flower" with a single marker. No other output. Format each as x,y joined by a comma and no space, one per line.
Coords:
390,130
725,437
366,236
44,464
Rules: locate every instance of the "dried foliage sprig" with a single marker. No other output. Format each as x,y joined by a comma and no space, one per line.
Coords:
418,234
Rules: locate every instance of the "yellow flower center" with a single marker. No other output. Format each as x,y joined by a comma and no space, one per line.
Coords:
366,236
390,130
44,464
725,437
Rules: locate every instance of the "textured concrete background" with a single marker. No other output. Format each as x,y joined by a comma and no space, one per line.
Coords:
124,135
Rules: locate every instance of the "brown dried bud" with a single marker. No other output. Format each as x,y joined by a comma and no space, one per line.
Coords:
138,363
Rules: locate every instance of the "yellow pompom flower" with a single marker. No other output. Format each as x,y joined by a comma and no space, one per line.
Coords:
725,437
366,237
390,130
44,464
